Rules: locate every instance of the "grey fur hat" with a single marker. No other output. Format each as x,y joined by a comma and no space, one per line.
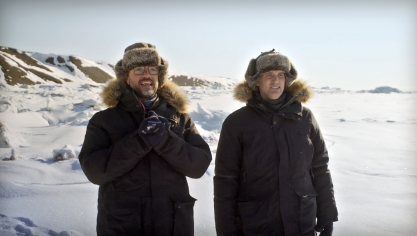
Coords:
141,54
267,61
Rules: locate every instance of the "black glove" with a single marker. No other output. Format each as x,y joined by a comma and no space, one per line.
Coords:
154,128
324,228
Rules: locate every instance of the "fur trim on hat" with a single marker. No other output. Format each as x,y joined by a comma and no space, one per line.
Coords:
140,57
298,89
171,92
141,54
269,61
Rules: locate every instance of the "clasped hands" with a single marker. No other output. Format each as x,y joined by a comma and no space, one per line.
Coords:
153,128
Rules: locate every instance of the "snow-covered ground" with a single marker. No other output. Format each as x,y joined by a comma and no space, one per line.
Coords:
371,139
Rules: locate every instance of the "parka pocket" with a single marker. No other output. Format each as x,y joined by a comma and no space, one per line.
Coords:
304,143
122,213
184,217
308,209
301,149
251,216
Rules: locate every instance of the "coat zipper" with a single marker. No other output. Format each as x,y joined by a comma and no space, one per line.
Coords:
143,106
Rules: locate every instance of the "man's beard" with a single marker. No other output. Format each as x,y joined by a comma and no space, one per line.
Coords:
145,94
148,94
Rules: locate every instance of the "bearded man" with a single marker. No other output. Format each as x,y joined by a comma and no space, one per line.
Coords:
141,149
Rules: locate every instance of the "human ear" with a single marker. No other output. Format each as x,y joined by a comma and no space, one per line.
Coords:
127,80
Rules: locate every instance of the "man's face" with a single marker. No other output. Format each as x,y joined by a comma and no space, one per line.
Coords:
271,84
143,80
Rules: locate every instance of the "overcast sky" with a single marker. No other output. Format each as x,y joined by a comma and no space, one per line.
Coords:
347,44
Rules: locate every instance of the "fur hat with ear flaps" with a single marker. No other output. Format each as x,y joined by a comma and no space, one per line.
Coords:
141,54
267,61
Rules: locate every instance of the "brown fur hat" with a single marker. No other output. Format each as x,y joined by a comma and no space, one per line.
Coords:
141,54
267,61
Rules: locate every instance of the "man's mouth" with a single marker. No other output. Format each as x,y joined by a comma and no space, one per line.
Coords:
146,83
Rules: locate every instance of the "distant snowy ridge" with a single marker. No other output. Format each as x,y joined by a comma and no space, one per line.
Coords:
198,80
382,89
30,68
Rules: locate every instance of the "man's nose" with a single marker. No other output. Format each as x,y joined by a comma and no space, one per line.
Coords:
146,72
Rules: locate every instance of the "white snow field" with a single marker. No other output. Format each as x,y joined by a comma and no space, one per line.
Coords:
371,139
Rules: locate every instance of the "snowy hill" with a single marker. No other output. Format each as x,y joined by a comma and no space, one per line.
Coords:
19,67
198,80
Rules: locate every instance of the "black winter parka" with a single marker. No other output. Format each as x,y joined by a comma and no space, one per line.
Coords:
271,170
143,189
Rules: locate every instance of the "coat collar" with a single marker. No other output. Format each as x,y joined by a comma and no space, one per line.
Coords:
116,92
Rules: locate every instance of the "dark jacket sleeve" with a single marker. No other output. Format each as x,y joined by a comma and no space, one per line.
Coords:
103,161
322,180
226,179
190,155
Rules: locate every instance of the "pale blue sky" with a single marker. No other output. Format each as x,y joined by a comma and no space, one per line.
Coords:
346,44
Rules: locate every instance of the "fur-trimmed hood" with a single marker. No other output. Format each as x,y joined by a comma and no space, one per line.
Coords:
170,92
299,89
